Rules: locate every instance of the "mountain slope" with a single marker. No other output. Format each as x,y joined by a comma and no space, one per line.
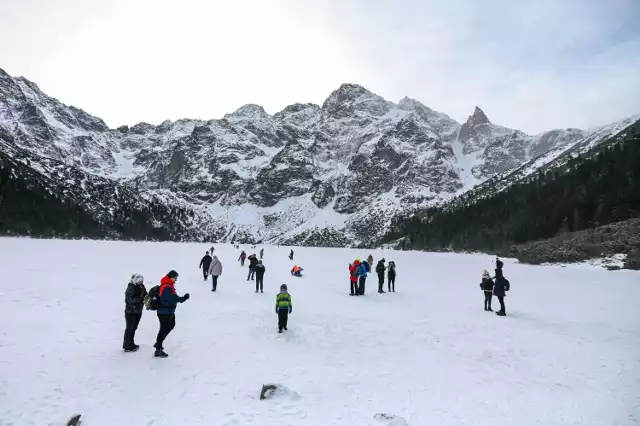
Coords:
309,174
599,187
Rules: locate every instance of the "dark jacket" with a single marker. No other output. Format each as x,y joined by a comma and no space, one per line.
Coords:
487,284
134,299
169,299
501,286
380,268
253,261
392,273
205,262
260,269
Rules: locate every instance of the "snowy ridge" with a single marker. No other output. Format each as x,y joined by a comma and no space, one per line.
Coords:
346,167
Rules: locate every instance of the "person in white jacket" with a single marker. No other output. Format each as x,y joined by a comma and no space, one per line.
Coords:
215,270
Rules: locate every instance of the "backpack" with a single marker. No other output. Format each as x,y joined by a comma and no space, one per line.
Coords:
507,285
152,301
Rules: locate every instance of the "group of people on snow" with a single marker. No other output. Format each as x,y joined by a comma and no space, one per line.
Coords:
358,271
211,266
497,288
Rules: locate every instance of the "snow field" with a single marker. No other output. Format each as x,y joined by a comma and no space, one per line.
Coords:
566,354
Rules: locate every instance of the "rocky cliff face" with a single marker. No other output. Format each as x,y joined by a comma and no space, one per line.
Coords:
321,175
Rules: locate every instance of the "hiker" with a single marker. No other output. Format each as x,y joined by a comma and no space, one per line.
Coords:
212,250
391,276
168,301
260,270
215,270
283,307
134,301
204,264
353,277
296,271
291,255
380,268
242,257
253,262
362,271
370,261
261,253
487,287
501,286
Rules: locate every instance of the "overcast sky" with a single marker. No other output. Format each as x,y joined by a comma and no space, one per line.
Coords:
531,65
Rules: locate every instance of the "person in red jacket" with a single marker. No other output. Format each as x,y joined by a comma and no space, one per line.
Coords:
169,299
353,277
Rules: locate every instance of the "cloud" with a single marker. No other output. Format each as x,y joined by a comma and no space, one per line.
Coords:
529,65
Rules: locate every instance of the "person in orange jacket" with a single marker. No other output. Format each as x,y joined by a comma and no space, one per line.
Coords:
353,277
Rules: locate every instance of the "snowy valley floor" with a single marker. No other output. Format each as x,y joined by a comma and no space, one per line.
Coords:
568,353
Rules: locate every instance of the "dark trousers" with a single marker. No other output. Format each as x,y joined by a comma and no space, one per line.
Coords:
380,282
354,287
167,323
252,272
283,318
501,300
132,321
214,282
361,284
259,281
487,299
241,262
205,273
391,284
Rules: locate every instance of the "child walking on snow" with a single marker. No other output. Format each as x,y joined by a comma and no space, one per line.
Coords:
283,307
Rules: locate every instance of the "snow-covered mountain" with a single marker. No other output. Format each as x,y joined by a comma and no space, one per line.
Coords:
330,175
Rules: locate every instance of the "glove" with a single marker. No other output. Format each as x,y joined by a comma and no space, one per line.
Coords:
186,296
276,309
290,309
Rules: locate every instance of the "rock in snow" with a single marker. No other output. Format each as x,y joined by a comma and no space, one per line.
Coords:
307,175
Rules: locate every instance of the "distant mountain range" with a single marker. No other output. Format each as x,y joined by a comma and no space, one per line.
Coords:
332,175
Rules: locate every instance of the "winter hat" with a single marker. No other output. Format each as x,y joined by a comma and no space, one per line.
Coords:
485,274
283,287
382,260
259,262
137,279
172,274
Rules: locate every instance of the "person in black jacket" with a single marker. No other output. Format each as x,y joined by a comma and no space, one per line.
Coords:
260,270
291,255
380,268
487,287
134,302
253,262
391,276
501,287
204,264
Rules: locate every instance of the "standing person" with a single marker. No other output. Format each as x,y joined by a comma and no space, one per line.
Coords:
215,270
353,277
291,255
487,287
370,261
134,301
212,250
260,270
242,257
261,253
204,264
284,307
363,269
253,262
380,268
168,301
391,276
500,287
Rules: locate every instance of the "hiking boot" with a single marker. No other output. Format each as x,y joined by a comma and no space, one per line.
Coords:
131,349
261,291
501,313
280,331
159,353
489,309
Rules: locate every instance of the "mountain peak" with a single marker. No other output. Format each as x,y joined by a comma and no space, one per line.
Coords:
348,95
247,111
478,117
